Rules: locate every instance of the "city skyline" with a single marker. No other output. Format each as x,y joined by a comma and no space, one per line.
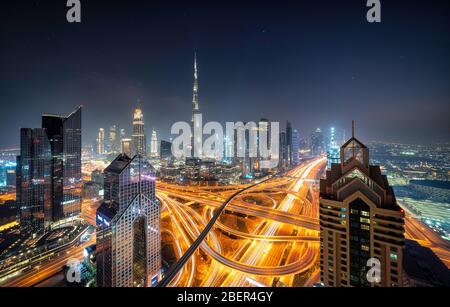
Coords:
267,70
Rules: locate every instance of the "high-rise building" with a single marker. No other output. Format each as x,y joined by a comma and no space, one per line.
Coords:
165,150
283,156
333,149
195,109
138,137
128,226
34,181
101,142
289,143
126,147
295,147
64,135
361,224
317,143
113,144
122,134
154,145
55,148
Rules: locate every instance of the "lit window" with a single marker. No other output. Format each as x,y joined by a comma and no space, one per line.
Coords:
393,256
365,213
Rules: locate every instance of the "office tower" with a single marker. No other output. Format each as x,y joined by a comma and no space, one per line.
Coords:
101,142
333,149
154,145
122,134
195,107
138,137
317,143
128,232
33,188
64,135
295,147
126,147
289,143
359,221
113,144
283,156
165,150
49,181
264,130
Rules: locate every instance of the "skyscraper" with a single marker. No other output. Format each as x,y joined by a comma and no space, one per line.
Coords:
333,149
295,147
101,141
49,181
138,137
33,188
113,144
64,135
126,147
289,143
317,143
165,150
361,225
128,231
154,145
283,151
195,111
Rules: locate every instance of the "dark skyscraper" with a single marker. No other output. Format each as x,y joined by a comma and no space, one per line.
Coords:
49,181
165,150
289,144
128,232
33,189
64,135
317,142
361,223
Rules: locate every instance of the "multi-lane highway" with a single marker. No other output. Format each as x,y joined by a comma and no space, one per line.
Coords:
266,235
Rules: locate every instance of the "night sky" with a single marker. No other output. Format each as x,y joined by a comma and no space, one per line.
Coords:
316,63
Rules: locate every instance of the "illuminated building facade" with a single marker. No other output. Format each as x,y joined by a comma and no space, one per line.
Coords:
359,220
126,147
154,145
333,149
113,144
138,137
195,108
295,147
101,142
128,226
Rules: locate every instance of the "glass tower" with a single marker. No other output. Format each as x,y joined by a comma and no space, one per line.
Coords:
128,235
33,187
64,135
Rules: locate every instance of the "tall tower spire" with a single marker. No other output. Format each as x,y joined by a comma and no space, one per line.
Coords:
195,102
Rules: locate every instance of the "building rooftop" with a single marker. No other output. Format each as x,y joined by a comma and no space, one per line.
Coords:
119,164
